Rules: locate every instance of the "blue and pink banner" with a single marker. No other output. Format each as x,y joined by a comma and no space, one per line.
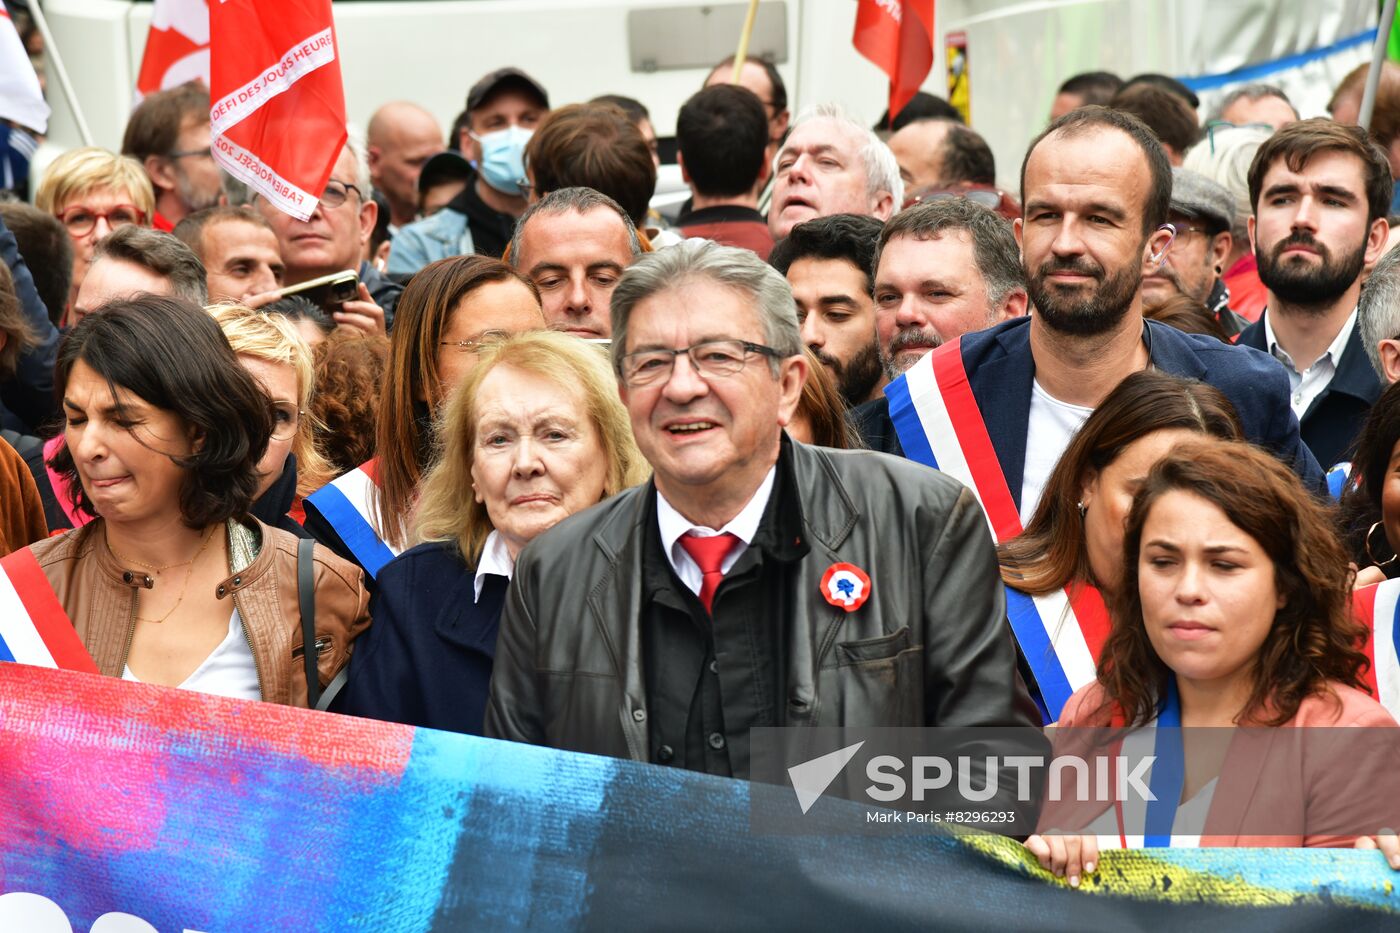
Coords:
126,803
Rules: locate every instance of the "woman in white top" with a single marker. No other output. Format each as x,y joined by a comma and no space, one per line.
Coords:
174,583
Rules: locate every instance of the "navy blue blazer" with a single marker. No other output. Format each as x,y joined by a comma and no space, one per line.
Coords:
1000,370
1335,418
426,660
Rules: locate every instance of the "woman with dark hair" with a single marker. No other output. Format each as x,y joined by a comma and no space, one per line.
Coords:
1370,501
1071,551
172,582
1234,610
451,309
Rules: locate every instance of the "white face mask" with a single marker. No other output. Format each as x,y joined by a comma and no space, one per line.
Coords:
502,163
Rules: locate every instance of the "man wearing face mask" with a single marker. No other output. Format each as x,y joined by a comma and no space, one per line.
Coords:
503,110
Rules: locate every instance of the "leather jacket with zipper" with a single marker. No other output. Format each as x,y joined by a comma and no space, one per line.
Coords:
101,596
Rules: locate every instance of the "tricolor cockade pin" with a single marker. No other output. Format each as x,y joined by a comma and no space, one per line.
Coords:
845,586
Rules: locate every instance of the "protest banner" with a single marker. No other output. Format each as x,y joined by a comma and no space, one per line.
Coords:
198,813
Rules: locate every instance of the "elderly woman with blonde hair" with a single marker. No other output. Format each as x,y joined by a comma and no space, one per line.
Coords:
270,347
534,434
93,192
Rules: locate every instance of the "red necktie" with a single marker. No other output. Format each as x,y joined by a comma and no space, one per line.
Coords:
709,554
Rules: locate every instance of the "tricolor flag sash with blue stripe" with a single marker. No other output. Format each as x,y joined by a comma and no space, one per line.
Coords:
1337,479
939,424
346,503
1378,609
34,629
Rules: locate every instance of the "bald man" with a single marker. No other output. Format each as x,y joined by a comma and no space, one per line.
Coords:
401,137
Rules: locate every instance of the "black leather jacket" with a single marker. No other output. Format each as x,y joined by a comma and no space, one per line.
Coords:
930,647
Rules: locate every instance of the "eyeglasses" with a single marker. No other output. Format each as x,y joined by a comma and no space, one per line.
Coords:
476,344
286,418
79,221
337,192
1214,125
713,359
525,186
206,153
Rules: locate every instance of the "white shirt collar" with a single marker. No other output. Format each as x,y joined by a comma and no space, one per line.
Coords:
743,526
494,559
1333,354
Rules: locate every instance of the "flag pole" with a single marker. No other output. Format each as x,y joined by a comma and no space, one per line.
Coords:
1373,77
744,36
51,54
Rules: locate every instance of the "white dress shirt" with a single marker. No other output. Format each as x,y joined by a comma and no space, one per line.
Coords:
1307,386
494,559
743,526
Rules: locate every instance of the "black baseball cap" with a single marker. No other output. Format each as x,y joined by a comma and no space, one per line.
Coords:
500,79
445,166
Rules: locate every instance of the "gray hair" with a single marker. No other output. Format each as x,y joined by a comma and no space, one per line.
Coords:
1378,314
1250,92
577,200
1224,156
355,142
994,248
739,269
160,254
881,168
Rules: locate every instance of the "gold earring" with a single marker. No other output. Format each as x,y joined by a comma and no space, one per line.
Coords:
1369,553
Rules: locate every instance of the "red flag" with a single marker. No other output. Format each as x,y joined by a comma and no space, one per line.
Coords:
177,47
278,105
897,35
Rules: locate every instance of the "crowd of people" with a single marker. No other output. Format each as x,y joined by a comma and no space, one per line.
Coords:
855,438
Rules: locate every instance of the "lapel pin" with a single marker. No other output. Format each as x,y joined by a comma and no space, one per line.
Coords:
845,586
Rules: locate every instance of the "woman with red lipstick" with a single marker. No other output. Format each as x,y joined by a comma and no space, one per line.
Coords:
534,434
173,582
1234,610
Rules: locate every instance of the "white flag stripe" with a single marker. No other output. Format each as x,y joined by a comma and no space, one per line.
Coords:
358,488
293,65
249,169
938,428
20,97
1383,642
1062,627
19,633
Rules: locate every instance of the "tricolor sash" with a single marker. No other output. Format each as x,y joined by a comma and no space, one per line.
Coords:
346,503
939,424
34,629
1337,479
1378,608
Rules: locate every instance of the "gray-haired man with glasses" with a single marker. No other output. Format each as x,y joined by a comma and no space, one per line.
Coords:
668,621
333,239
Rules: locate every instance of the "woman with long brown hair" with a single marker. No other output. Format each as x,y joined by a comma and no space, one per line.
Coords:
1070,553
1234,610
448,312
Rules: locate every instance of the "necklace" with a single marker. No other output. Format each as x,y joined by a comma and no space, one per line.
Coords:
188,573
141,563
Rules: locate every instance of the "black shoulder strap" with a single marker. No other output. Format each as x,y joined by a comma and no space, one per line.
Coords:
306,601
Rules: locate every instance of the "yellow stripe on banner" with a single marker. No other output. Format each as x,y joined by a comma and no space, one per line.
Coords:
1147,875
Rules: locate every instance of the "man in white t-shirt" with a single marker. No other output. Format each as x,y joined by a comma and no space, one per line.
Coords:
1096,187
